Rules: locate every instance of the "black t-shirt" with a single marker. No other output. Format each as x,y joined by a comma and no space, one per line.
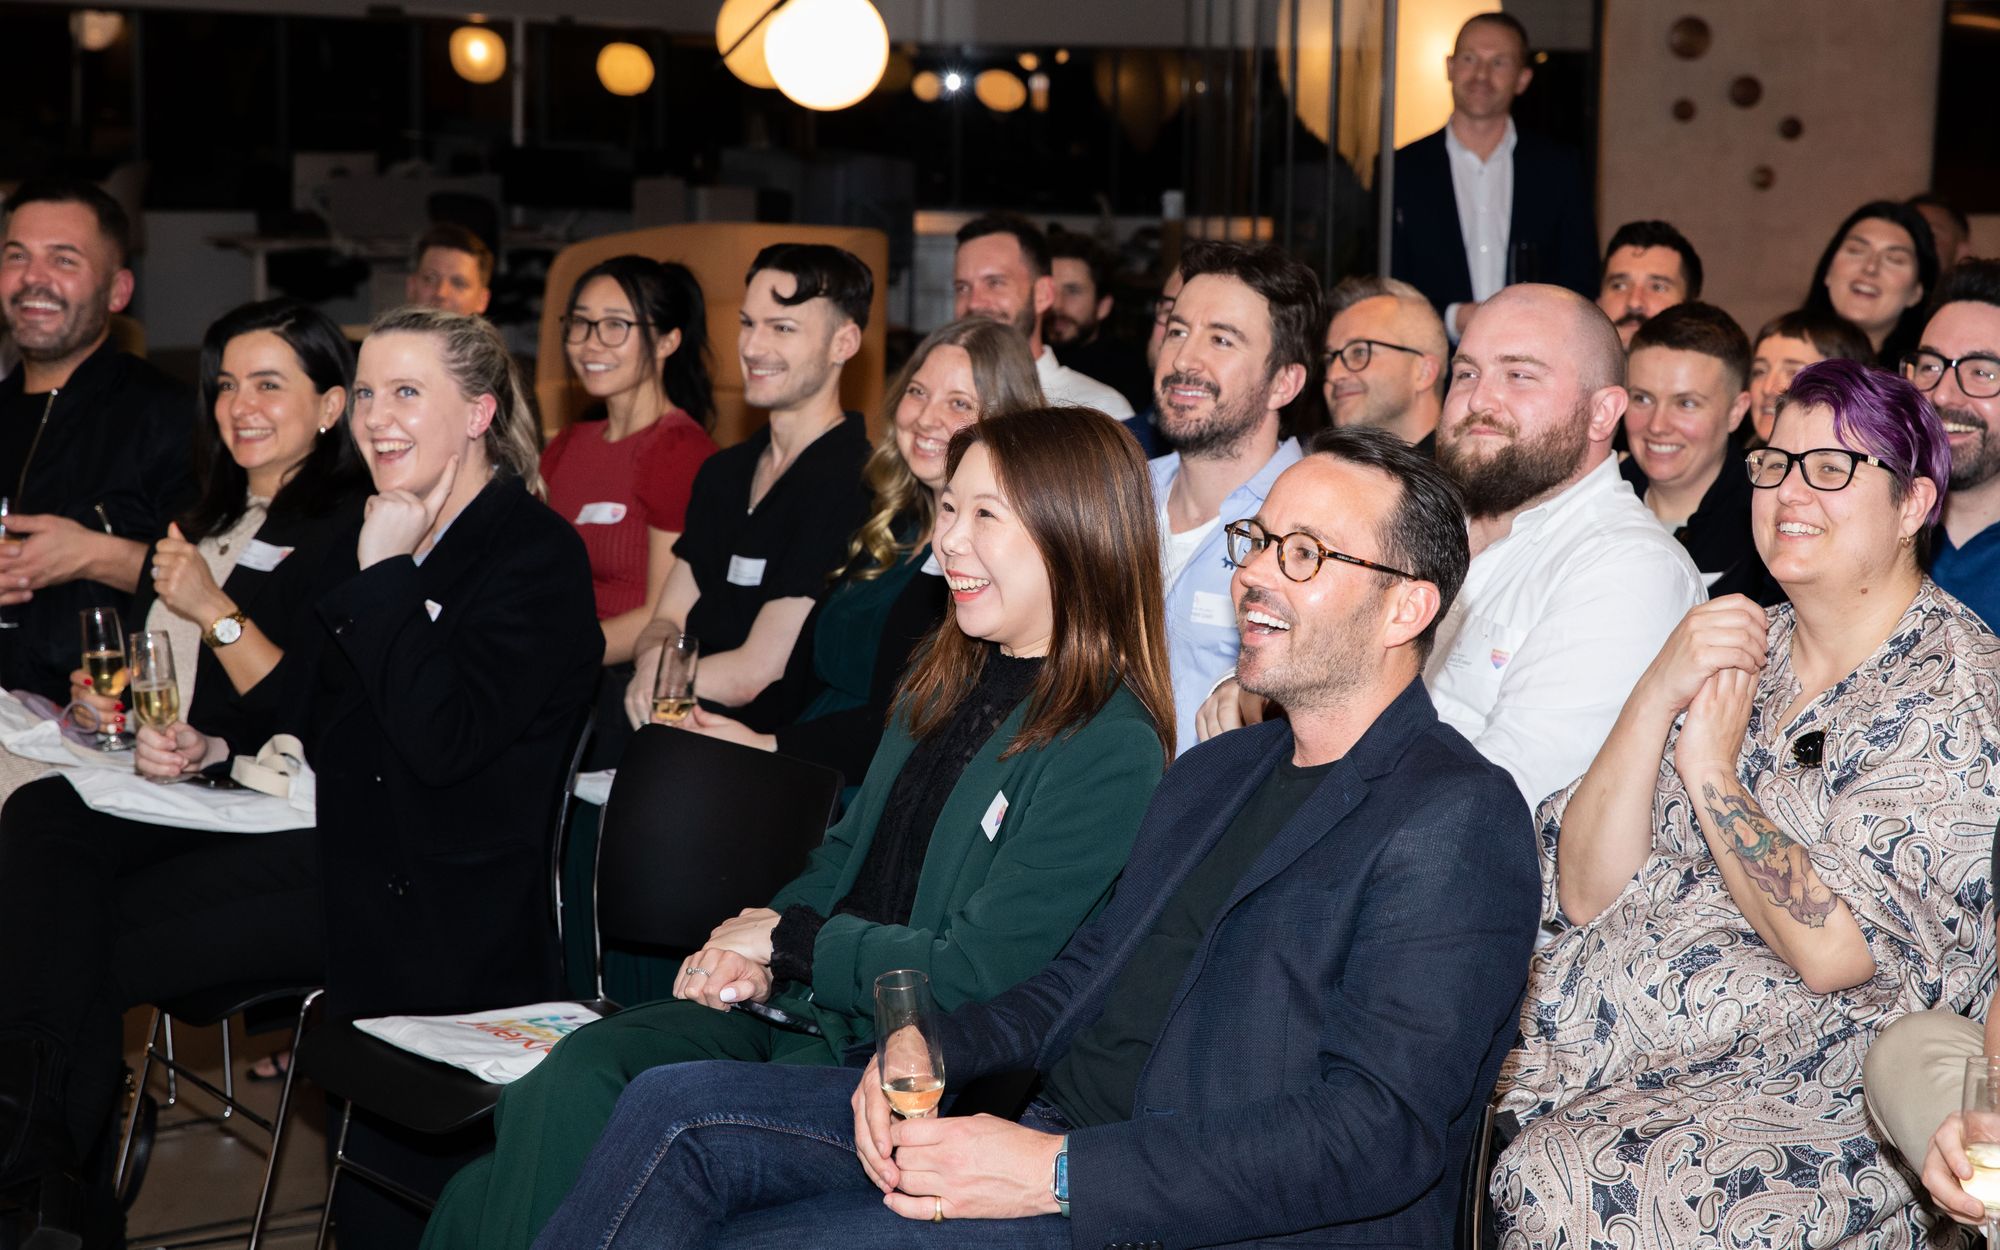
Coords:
1095,1079
1718,537
1119,365
743,558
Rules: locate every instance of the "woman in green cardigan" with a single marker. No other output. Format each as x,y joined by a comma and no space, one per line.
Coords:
994,819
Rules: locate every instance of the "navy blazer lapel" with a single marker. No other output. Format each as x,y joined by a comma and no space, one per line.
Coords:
1447,193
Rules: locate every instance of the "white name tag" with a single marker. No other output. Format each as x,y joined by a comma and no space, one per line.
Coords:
433,607
931,566
1211,608
744,571
600,514
261,556
996,811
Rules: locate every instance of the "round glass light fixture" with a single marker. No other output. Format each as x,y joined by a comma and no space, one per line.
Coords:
826,54
624,69
927,86
747,62
1029,61
478,54
953,80
95,29
999,90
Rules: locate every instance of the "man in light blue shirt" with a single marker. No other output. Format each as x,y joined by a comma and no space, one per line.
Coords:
1240,344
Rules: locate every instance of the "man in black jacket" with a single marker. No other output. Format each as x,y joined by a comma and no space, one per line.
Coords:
1481,205
95,456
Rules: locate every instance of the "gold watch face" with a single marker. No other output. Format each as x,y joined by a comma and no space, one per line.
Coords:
225,631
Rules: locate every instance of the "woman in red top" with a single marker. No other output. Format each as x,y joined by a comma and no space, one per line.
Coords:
637,335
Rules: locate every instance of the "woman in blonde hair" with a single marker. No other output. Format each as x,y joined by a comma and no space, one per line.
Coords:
890,595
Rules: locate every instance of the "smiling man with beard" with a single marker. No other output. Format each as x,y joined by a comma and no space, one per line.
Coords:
94,444
1237,348
1573,585
1957,366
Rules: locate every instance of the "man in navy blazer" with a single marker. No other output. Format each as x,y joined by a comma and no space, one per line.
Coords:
1480,204
1282,1030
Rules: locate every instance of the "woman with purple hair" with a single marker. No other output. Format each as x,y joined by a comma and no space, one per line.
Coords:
1782,847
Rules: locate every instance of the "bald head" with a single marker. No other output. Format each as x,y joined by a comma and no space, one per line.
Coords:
1587,336
1395,335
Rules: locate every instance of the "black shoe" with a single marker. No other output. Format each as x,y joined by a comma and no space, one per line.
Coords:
34,1140
46,1213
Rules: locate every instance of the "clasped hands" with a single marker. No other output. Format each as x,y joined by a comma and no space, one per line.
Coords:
734,965
976,1167
1709,668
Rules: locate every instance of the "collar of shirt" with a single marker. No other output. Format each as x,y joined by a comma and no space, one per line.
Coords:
1168,467
1584,495
1503,151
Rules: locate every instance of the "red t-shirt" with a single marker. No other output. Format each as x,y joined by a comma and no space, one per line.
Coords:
614,492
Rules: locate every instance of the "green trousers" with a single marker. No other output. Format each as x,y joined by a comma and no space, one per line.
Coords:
549,1120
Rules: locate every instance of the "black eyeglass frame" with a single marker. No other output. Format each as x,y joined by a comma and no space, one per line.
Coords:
1909,363
1367,347
1239,532
570,321
1798,460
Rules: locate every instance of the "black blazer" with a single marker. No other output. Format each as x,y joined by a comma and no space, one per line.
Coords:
1332,1045
283,604
440,746
1553,237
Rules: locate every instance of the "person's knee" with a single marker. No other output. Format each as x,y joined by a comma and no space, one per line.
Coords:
1915,1042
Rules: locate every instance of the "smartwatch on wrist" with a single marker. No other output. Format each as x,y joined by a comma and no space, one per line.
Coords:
225,630
1059,1183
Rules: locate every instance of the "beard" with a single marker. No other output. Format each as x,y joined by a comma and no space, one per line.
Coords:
1221,432
1522,471
1323,661
1064,331
81,325
1981,460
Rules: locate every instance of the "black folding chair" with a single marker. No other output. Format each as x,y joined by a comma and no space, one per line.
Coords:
695,830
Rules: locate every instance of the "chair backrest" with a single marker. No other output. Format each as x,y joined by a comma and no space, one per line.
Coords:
559,839
718,253
698,829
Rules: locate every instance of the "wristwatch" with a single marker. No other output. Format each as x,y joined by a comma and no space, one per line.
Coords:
225,630
1059,1183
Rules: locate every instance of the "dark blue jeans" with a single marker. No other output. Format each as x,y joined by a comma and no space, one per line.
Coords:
751,1155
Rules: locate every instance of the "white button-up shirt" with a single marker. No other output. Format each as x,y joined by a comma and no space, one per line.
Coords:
1554,626
1066,388
1484,190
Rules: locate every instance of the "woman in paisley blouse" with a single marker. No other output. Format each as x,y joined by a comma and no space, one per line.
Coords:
1782,847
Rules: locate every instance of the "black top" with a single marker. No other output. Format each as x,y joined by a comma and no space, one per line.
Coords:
784,548
1119,365
1093,1081
1717,536
117,436
887,885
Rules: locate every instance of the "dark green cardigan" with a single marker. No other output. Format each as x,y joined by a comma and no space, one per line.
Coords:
989,911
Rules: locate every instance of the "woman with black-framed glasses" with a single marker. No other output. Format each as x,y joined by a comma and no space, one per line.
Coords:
636,335
1782,847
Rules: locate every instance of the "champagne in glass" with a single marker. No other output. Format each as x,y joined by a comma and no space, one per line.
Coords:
7,510
673,685
1982,1138
156,694
906,1043
104,664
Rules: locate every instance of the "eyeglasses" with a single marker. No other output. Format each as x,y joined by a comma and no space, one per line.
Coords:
1299,555
1822,468
1978,375
611,331
1358,352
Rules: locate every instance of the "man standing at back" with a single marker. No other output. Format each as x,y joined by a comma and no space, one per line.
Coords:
1481,204
95,456
1237,348
1003,272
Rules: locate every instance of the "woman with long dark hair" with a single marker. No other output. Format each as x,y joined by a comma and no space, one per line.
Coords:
998,811
1876,271
636,335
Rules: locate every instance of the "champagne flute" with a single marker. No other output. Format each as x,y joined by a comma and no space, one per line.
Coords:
673,685
7,510
156,694
1982,1138
907,1051
104,664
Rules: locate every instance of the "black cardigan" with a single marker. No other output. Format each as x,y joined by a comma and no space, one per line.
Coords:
445,695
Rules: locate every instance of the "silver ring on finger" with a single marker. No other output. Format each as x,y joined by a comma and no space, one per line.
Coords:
697,972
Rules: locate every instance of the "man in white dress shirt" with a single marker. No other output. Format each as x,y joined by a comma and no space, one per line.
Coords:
1573,586
1002,273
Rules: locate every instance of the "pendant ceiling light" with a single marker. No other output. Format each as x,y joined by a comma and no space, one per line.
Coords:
744,57
826,54
478,54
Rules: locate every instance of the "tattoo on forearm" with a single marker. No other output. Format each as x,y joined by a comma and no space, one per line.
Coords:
1778,865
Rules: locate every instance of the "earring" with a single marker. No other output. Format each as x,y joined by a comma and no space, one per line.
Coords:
1907,539
323,429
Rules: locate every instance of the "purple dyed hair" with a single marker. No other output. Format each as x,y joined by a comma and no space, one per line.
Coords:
1881,414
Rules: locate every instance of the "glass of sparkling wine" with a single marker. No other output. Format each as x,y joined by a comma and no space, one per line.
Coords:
156,693
907,1052
104,664
1982,1138
7,510
673,685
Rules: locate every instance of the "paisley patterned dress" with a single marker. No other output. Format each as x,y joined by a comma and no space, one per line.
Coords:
1678,1085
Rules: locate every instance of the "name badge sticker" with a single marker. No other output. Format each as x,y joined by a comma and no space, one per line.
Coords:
600,514
996,811
1211,608
743,571
433,607
261,557
931,566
